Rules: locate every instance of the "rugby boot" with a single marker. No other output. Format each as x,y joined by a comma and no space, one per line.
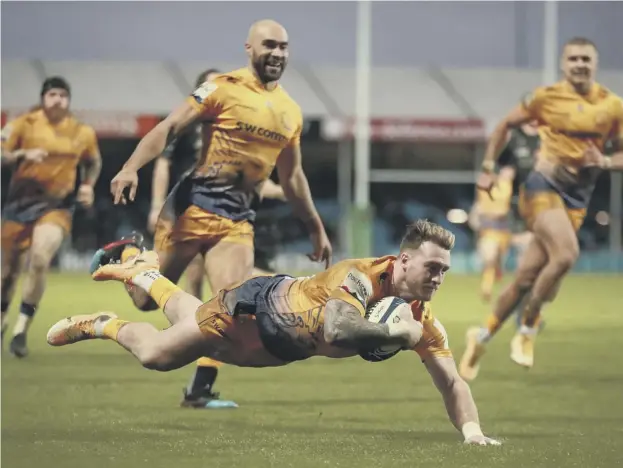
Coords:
18,346
522,348
469,365
111,253
204,398
77,328
124,272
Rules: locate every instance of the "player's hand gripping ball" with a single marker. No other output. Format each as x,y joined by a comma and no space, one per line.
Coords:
384,311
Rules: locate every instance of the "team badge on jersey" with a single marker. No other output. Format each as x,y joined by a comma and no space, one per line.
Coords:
202,92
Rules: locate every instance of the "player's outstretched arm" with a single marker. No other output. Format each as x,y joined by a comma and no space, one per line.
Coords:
159,189
345,327
458,399
158,138
150,147
594,156
499,137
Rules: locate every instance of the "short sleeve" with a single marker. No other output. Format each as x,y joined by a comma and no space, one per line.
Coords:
296,138
12,134
355,289
91,150
533,102
207,98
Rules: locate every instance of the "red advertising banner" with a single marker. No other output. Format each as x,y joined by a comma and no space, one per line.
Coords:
405,129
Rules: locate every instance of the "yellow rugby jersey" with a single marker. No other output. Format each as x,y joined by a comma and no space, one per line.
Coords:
246,127
361,283
569,121
39,186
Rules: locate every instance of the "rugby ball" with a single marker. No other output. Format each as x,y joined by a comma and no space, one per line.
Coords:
384,311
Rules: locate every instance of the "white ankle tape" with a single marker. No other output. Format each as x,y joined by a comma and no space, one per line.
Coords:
145,279
471,429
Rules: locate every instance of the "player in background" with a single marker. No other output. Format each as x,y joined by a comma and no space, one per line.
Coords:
250,125
176,161
576,117
521,153
45,148
490,217
270,321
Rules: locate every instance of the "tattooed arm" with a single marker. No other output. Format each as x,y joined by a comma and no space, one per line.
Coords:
345,327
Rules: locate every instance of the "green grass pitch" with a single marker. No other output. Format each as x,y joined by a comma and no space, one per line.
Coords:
91,404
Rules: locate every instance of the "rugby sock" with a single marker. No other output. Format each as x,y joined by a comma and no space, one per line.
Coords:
526,330
202,379
488,279
157,286
109,328
531,316
129,252
490,329
26,313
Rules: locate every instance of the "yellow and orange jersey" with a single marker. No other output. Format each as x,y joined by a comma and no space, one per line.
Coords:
360,283
39,186
246,127
569,122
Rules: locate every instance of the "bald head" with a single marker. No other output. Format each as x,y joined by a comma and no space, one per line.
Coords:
266,28
267,48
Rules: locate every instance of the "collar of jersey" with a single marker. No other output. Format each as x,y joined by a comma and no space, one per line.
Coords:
592,94
250,78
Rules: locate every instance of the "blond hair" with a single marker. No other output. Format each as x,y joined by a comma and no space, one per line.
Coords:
421,231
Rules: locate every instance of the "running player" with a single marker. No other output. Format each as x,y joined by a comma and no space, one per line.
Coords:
250,125
45,146
272,321
521,152
492,215
178,159
491,218
576,116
